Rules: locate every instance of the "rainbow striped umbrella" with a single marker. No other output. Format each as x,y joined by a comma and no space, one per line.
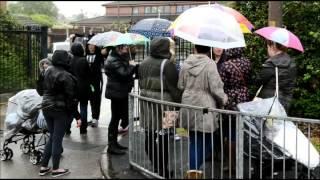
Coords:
128,39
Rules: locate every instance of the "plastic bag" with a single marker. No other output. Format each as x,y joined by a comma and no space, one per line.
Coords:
41,121
11,120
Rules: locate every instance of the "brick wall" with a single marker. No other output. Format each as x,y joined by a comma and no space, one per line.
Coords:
3,5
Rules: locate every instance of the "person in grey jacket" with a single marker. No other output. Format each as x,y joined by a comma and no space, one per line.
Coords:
202,86
287,74
149,82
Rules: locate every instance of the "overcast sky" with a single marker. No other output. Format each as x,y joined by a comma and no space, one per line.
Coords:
90,8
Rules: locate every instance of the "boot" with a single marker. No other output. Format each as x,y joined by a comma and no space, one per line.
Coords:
194,174
112,149
121,147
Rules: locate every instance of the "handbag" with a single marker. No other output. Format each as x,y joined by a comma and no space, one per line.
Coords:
170,118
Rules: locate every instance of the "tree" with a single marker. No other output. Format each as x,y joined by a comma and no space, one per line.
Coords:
34,7
80,16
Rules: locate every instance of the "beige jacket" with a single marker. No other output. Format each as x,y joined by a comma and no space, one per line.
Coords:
202,86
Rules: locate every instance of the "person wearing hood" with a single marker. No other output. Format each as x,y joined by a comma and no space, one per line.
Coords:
95,61
202,86
161,48
278,57
59,103
44,64
119,71
80,69
235,74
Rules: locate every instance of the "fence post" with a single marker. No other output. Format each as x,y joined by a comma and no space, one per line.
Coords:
131,125
44,42
29,52
239,147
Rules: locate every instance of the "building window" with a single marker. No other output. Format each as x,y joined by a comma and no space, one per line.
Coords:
161,9
185,7
135,10
167,9
147,10
179,9
154,9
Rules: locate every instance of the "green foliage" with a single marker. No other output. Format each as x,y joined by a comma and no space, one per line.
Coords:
43,19
34,7
302,19
6,21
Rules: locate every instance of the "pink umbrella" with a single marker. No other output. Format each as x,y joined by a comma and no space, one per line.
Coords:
281,36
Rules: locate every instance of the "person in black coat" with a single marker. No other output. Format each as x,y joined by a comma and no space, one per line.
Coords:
278,57
96,61
80,69
119,71
59,103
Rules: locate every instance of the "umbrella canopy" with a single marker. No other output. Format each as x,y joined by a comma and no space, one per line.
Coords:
281,36
152,27
102,39
245,25
128,39
209,26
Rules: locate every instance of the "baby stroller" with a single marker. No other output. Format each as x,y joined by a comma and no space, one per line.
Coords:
24,120
276,142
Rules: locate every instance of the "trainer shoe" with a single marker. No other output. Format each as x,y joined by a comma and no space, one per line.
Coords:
44,171
94,123
60,173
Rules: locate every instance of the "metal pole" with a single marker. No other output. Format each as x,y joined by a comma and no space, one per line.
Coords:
118,17
275,13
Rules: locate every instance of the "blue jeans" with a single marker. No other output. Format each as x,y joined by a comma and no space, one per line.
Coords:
196,148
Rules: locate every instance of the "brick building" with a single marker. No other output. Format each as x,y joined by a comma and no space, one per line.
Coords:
120,15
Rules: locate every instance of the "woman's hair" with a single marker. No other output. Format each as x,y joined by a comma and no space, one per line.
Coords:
202,49
277,45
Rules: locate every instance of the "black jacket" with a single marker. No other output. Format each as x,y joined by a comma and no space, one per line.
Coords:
95,62
60,85
80,69
287,76
120,76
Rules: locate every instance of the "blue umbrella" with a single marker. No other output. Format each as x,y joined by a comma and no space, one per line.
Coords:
152,27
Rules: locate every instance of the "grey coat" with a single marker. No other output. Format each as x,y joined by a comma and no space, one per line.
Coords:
202,86
149,82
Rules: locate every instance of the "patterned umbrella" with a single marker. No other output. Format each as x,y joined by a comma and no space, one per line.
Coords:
102,39
152,27
128,39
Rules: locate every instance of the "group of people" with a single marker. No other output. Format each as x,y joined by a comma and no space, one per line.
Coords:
211,77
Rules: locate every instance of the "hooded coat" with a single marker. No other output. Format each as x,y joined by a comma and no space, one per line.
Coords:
80,69
150,82
202,86
60,85
287,76
235,79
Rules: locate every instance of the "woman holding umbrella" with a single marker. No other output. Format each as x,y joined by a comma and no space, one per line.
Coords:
278,41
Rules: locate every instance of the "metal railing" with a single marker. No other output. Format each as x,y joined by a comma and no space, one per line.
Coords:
168,153
21,50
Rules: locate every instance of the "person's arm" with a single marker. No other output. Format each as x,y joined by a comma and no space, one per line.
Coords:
181,81
171,76
265,75
122,71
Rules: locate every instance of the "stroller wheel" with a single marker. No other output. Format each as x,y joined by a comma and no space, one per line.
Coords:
9,153
3,155
25,148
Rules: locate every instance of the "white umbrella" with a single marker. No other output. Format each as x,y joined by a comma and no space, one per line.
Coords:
102,39
209,26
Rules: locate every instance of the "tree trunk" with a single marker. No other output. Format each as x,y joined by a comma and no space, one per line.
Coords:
275,13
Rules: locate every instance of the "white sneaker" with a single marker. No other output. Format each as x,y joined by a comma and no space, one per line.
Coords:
95,123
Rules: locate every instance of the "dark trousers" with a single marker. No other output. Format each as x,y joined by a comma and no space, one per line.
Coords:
157,150
57,122
84,116
95,101
119,110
